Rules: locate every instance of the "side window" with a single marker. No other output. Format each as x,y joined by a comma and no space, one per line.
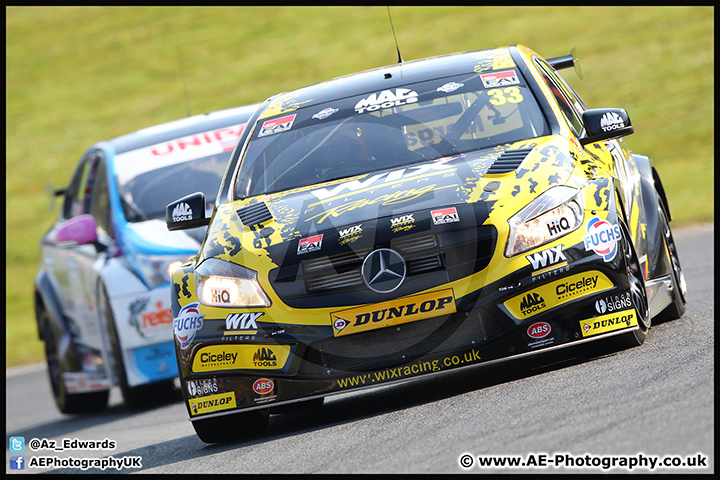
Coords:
569,105
77,196
72,205
100,200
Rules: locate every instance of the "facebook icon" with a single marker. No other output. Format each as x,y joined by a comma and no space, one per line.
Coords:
17,462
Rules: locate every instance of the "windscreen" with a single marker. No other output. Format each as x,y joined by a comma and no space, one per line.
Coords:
389,128
150,178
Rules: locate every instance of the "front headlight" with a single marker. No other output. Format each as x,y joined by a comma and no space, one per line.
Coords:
157,269
557,212
225,284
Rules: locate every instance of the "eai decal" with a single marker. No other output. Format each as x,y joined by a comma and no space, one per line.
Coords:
500,79
187,323
445,215
310,244
277,125
602,237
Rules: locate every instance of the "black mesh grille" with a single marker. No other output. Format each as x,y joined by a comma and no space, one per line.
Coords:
254,214
396,345
509,161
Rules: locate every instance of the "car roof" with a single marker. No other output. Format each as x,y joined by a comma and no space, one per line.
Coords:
181,128
392,76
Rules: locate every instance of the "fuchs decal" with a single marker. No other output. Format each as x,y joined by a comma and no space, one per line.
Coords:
500,79
277,125
310,244
187,324
445,215
386,99
602,237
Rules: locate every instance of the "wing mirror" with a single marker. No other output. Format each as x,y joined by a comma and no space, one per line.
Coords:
605,123
81,230
187,212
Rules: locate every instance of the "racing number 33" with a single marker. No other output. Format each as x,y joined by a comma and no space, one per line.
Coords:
500,96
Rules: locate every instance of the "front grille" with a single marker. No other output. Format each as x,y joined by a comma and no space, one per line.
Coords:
432,259
397,345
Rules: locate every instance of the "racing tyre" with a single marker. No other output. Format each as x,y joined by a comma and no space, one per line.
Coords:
142,396
66,402
638,296
679,288
232,427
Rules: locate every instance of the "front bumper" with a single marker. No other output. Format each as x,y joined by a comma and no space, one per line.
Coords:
531,310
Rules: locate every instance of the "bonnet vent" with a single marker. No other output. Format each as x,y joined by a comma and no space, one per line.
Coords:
509,161
254,214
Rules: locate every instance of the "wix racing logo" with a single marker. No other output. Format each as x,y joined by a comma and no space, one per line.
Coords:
547,257
242,321
182,212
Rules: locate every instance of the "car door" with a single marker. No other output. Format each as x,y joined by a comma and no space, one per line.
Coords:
76,261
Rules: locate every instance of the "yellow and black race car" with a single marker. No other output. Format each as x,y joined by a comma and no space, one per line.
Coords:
429,215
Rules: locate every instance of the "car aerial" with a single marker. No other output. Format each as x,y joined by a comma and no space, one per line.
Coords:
102,294
442,213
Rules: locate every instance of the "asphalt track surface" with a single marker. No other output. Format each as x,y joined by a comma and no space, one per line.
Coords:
655,401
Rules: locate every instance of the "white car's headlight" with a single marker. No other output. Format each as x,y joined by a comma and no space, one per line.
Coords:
557,212
225,284
157,269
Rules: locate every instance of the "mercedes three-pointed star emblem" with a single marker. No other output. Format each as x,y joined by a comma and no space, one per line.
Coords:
383,270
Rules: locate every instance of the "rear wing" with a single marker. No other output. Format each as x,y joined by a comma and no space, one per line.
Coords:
567,61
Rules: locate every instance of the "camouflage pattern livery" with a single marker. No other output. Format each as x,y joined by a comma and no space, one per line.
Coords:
428,265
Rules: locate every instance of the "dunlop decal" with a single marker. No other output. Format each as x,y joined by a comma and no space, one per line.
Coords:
394,312
212,403
608,323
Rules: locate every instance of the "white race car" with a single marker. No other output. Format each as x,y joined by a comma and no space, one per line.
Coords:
102,295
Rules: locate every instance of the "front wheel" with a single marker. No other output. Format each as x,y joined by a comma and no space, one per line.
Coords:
638,296
66,402
676,309
141,396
